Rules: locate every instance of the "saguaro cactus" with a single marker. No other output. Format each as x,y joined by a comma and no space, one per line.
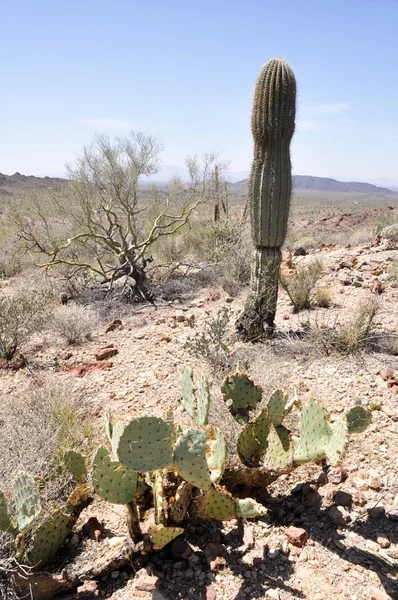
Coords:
270,188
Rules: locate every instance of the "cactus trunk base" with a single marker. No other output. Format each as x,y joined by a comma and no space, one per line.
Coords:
258,316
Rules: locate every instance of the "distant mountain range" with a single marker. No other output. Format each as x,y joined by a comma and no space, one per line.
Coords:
10,184
326,184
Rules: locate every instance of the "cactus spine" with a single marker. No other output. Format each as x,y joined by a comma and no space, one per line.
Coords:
270,188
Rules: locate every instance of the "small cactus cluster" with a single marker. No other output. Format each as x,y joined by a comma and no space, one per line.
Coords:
40,533
265,441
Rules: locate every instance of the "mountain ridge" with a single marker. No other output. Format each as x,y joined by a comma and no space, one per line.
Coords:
328,184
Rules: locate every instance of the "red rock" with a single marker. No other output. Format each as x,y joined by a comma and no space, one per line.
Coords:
296,536
3,363
106,352
337,475
387,374
88,366
147,583
210,593
374,482
115,324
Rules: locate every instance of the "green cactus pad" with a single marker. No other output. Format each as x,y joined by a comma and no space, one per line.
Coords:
315,431
27,501
337,443
190,458
261,428
249,508
117,432
188,392
249,448
161,536
203,403
217,503
5,520
111,480
108,424
358,419
49,537
280,449
178,508
158,496
76,464
244,394
217,454
146,444
277,406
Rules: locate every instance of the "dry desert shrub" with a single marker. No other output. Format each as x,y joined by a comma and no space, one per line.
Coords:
323,296
300,286
75,323
21,315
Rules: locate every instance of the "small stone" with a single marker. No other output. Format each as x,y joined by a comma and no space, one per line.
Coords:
146,583
211,593
106,352
115,574
337,475
296,536
229,300
383,541
179,316
392,513
272,593
339,516
374,481
180,548
343,498
273,553
65,354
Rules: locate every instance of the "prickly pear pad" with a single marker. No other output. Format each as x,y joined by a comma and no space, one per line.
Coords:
337,443
161,535
111,480
190,458
249,508
261,428
5,521
146,444
76,464
280,449
315,432
49,537
244,394
217,453
188,392
249,448
27,500
277,406
358,419
217,503
203,403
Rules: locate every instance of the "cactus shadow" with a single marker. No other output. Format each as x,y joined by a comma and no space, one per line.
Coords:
346,540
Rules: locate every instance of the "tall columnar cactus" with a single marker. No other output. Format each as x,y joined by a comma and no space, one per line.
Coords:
270,188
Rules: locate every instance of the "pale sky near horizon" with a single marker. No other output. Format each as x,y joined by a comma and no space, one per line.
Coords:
186,71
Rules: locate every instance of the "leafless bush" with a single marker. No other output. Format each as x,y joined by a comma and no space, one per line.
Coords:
75,323
323,296
21,315
300,286
210,343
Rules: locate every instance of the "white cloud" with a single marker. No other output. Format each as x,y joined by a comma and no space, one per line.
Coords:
110,124
328,109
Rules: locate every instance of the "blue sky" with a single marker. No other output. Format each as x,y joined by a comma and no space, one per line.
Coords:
186,71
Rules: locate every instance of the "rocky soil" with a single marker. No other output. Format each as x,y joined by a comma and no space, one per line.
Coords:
328,533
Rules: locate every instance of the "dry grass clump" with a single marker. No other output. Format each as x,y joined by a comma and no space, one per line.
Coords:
75,323
21,315
323,296
210,343
300,286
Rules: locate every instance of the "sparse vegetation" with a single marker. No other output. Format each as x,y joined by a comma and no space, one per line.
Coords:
21,315
210,343
75,323
300,286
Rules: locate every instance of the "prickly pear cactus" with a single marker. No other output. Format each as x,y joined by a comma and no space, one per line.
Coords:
358,419
76,464
179,507
5,520
249,508
261,428
146,444
217,453
217,503
111,480
276,407
158,497
280,448
27,501
318,438
203,400
190,458
188,392
160,535
245,395
249,448
48,538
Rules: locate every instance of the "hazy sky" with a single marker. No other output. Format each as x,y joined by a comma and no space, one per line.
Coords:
186,71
